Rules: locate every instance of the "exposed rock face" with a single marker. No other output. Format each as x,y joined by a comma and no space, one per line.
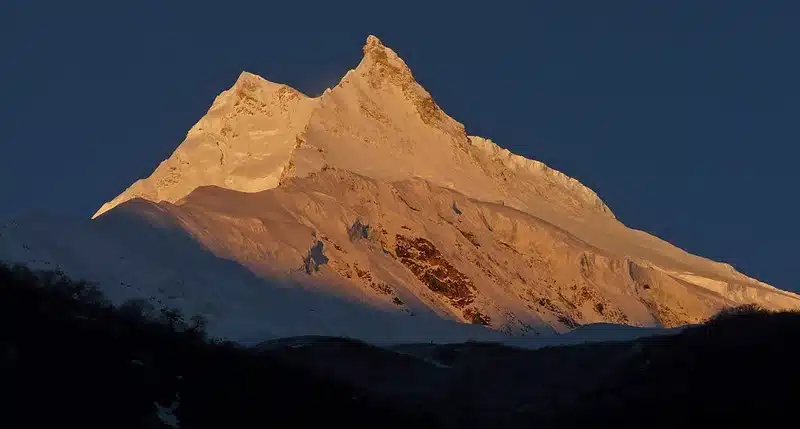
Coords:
425,261
371,191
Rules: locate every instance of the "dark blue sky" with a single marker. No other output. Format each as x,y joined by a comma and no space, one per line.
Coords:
682,115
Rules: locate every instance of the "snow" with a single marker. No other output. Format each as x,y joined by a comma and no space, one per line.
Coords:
167,414
169,269
257,128
143,250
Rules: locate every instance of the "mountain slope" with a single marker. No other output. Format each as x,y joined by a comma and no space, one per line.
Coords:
138,252
372,199
408,246
226,147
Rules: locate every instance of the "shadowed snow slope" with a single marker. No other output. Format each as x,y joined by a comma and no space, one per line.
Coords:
369,212
140,252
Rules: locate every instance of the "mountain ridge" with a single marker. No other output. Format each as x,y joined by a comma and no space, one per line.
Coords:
291,115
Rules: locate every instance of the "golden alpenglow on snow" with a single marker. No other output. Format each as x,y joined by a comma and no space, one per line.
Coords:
368,212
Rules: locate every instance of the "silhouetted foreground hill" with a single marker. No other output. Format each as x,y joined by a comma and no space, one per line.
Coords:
740,368
67,358
70,359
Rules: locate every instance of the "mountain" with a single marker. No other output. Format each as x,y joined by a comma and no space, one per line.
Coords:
369,212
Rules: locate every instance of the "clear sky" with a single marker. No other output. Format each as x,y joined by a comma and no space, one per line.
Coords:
682,115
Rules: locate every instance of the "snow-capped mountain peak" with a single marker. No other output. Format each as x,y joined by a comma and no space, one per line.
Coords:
372,194
377,121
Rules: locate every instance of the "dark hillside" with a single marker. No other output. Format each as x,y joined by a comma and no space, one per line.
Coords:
68,358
